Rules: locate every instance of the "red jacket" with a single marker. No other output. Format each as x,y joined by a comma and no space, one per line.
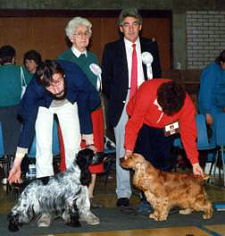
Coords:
142,110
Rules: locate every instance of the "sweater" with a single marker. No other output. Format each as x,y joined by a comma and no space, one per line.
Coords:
142,110
83,62
10,84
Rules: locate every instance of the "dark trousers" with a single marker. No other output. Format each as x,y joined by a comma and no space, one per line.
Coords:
10,128
156,147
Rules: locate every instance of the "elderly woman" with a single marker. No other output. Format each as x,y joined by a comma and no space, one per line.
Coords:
78,30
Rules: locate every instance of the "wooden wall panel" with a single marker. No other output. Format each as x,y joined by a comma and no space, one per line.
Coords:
47,35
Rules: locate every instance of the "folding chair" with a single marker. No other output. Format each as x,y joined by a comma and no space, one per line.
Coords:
219,159
204,143
4,160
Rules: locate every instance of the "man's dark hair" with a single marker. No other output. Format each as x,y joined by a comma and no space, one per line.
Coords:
221,57
7,53
46,70
32,55
171,96
130,12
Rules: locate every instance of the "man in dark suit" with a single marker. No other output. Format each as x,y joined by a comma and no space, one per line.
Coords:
116,78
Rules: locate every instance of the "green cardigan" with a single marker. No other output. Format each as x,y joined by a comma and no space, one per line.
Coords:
82,62
10,85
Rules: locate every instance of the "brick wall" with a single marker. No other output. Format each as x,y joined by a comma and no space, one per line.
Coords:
205,33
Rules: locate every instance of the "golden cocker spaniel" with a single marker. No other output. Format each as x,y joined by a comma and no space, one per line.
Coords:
165,190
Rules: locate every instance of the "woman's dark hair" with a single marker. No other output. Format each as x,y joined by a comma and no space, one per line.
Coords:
32,55
7,53
171,96
46,70
221,57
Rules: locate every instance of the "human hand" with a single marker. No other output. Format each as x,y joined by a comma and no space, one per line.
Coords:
15,175
209,119
15,172
197,170
127,153
92,147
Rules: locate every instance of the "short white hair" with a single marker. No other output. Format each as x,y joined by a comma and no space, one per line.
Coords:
74,23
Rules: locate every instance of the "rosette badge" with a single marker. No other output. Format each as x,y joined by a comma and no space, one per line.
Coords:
96,70
147,59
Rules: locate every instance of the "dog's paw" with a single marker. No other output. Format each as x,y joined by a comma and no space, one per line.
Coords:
94,221
74,224
185,211
207,215
13,228
91,219
157,217
153,216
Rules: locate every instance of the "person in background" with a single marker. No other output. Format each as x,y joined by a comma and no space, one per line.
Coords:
59,88
31,60
9,99
117,71
79,31
211,97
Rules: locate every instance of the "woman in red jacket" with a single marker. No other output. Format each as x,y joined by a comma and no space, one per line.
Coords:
160,105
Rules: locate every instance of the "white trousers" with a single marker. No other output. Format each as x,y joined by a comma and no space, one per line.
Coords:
70,127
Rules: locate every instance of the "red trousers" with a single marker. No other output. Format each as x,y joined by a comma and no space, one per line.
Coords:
98,133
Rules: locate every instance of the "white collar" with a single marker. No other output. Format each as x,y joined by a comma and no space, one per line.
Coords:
129,43
77,53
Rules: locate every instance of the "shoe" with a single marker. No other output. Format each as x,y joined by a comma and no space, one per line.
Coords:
144,207
123,202
95,204
44,220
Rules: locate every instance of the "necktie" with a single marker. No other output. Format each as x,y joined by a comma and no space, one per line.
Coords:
133,82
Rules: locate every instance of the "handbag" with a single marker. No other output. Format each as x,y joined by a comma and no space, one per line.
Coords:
23,82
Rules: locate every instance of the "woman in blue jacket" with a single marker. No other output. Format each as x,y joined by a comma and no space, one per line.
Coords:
60,88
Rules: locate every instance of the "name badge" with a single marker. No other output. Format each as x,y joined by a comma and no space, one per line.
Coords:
171,129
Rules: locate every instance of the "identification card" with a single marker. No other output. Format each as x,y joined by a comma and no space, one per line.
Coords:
171,129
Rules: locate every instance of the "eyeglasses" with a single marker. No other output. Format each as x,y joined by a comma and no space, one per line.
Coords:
81,34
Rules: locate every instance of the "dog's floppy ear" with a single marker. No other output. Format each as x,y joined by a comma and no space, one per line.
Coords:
138,159
84,157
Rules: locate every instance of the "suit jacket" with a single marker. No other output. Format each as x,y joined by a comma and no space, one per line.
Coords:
115,74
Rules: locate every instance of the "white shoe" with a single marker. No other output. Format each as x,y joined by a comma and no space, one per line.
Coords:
44,220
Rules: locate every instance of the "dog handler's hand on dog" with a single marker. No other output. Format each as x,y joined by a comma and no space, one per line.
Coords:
197,170
15,172
128,153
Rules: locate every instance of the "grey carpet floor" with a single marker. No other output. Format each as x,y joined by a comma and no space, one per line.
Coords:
113,219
